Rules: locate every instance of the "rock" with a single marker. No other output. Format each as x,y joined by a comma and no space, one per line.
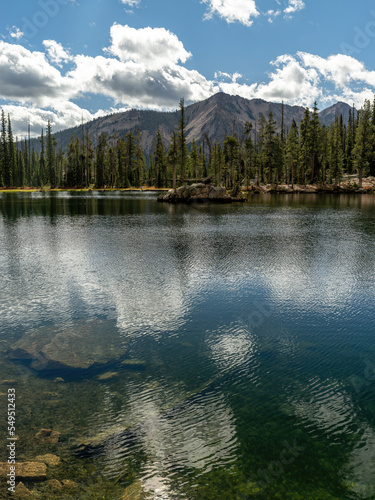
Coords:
198,192
58,380
98,439
217,192
32,471
50,460
48,436
55,484
22,492
107,376
133,363
67,483
70,348
133,492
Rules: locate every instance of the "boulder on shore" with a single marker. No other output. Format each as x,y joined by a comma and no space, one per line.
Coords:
198,193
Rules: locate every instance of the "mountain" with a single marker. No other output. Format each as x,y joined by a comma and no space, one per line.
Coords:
327,116
218,116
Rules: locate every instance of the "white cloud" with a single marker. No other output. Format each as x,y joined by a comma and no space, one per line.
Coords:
303,78
16,33
272,14
27,76
242,11
294,6
152,47
56,52
131,3
137,85
233,78
144,69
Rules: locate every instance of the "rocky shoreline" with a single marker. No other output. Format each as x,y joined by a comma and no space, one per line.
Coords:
206,192
345,187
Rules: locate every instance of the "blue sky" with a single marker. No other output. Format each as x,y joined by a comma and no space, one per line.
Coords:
65,60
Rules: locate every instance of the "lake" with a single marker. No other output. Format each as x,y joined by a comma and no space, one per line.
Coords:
191,352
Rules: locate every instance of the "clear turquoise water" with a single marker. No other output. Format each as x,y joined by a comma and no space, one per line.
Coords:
253,331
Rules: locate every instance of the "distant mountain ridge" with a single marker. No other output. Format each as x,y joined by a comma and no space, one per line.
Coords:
218,116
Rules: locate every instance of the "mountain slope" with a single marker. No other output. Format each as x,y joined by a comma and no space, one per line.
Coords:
217,116
327,116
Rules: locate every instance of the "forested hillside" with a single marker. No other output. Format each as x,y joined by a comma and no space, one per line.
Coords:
260,149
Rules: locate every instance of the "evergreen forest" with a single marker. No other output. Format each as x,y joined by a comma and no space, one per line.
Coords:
308,153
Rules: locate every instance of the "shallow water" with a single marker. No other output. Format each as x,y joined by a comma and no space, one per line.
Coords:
249,338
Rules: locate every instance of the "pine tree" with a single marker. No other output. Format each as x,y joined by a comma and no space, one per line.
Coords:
173,157
292,154
5,164
249,153
335,149
42,162
73,163
350,143
363,149
130,158
160,162
305,145
140,159
181,139
231,152
260,148
26,162
314,143
11,154
218,162
121,162
50,156
270,131
101,160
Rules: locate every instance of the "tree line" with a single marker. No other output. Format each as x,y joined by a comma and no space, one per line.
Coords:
308,153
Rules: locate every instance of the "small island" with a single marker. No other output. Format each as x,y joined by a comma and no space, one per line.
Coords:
201,192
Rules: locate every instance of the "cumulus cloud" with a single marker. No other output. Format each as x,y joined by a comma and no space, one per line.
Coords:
144,68
63,114
294,6
303,78
138,85
242,11
131,3
152,47
245,11
27,76
16,33
56,52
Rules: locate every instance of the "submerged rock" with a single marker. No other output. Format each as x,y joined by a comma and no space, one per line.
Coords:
86,345
199,192
48,436
135,364
22,492
108,376
133,492
32,471
55,484
50,460
68,483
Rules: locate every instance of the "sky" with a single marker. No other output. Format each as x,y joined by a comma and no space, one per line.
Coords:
73,60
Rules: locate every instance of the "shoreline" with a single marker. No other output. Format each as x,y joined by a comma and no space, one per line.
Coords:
345,187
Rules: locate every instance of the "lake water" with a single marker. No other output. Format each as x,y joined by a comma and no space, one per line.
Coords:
242,336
